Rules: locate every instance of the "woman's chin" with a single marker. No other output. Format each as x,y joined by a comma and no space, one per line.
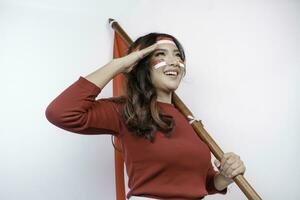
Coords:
172,87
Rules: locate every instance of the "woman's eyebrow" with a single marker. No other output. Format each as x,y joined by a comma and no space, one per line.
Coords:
165,50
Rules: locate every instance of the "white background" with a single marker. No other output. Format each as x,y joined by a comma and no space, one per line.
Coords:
242,81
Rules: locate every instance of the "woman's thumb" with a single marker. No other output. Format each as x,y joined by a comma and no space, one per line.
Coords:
217,163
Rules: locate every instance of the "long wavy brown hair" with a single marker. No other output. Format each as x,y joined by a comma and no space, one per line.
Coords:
140,113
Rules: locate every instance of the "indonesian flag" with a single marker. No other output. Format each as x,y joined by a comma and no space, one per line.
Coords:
119,50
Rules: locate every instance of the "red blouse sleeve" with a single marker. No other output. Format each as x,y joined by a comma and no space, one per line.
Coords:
210,185
77,110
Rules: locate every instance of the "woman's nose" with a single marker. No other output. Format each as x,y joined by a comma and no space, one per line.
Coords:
172,61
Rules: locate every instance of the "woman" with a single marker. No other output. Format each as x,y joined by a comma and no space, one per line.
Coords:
164,157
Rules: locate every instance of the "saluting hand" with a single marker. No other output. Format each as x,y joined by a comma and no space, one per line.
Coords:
130,60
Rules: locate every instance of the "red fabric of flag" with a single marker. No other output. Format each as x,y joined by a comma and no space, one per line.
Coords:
119,50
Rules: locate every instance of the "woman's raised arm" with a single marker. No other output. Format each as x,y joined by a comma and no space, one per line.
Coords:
76,108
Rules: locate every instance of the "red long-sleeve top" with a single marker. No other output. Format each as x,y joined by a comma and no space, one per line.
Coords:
175,168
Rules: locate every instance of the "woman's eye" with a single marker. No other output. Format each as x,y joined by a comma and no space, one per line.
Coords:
179,55
160,53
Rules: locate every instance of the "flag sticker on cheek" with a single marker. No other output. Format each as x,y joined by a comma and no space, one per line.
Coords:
159,64
181,65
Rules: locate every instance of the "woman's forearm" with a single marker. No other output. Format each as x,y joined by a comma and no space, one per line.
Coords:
221,182
103,75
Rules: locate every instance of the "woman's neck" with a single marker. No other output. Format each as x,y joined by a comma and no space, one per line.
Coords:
165,97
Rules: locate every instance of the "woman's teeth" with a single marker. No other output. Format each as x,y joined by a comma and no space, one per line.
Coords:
171,73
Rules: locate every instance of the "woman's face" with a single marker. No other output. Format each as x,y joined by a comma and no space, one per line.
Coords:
161,77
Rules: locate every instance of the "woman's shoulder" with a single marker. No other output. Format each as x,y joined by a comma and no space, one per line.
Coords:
111,105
